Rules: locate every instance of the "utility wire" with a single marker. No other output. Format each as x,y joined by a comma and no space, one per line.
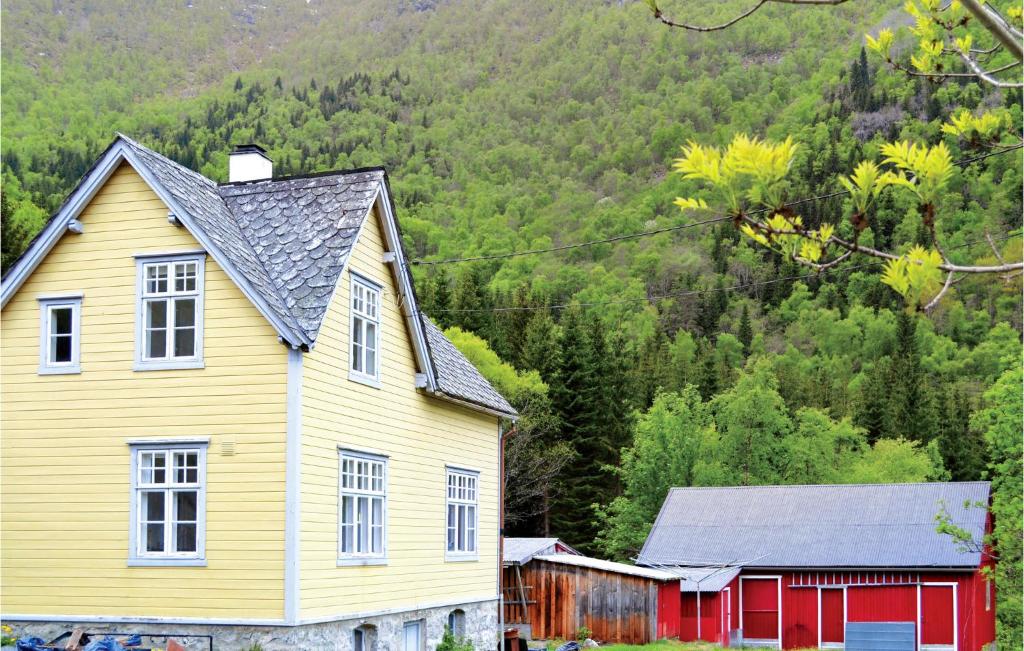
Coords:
698,292
668,229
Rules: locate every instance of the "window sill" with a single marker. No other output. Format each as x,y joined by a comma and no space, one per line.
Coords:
461,557
361,378
60,370
166,562
169,365
356,562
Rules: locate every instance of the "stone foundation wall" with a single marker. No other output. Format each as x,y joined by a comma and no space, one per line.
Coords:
381,632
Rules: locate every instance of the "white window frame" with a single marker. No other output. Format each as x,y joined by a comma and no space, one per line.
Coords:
353,557
137,557
466,496
46,306
369,288
144,362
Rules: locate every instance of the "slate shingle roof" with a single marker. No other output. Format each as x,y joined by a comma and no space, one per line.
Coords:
291,238
456,376
840,526
302,231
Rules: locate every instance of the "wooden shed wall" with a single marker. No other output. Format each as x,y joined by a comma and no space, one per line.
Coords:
561,598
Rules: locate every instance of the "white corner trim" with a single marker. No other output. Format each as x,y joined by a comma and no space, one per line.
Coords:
293,488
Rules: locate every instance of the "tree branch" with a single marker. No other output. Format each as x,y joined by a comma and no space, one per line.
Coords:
985,76
996,26
999,256
938,297
854,247
714,28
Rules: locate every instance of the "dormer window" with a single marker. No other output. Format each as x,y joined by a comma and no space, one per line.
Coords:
364,355
170,313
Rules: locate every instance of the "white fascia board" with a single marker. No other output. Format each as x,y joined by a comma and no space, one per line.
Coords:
404,278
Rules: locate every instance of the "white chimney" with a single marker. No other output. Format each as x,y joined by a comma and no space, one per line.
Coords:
249,163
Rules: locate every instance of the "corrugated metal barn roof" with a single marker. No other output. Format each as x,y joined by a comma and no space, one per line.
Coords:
830,526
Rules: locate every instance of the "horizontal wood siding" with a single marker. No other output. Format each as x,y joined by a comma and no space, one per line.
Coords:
617,608
65,463
419,435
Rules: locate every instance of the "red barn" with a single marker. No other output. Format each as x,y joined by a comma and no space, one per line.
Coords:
795,566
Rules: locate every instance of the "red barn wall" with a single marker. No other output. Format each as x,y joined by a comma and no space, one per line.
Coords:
884,600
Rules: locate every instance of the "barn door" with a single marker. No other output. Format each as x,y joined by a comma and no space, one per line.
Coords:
938,617
833,617
759,610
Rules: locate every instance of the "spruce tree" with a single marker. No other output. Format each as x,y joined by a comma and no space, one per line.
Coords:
745,333
575,402
441,299
540,347
471,304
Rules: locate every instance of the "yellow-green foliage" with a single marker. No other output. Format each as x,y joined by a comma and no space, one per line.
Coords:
916,275
932,168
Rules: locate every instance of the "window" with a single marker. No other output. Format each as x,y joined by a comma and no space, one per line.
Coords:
988,594
412,638
59,335
168,503
364,638
363,501
457,623
365,353
170,319
462,513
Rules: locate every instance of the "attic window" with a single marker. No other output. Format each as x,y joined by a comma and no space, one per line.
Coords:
59,335
364,354
170,313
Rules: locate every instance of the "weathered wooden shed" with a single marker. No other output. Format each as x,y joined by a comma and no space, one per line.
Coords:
555,595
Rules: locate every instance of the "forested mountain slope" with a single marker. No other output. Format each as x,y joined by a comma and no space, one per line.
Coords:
509,125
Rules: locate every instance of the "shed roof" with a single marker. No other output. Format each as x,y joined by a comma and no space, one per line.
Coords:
826,526
704,579
607,566
522,550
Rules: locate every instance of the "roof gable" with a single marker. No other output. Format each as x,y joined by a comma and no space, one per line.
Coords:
285,243
841,526
302,231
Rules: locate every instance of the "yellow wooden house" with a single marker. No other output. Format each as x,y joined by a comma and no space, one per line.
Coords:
223,414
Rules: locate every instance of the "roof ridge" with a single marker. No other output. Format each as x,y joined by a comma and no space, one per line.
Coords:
853,485
307,175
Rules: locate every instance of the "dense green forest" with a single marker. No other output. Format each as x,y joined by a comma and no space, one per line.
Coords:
687,357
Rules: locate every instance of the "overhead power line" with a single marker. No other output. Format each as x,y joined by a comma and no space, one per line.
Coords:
698,292
669,229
